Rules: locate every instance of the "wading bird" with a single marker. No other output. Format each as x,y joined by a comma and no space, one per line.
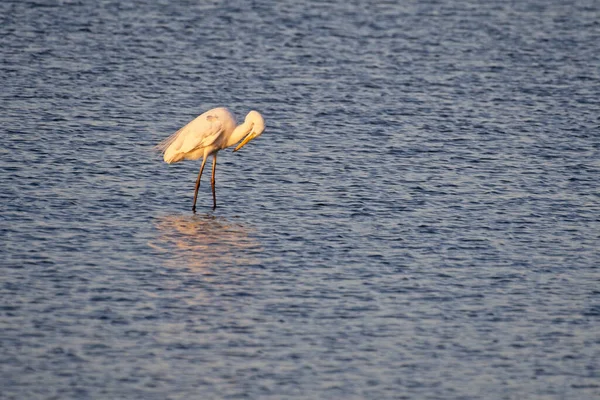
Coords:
210,132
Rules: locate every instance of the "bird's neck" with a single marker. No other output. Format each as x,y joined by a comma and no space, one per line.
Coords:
240,132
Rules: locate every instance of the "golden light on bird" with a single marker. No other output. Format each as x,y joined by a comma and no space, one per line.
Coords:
204,136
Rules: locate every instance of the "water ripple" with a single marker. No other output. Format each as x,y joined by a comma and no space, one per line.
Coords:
419,220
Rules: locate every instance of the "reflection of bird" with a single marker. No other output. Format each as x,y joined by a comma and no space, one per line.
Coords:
210,132
201,242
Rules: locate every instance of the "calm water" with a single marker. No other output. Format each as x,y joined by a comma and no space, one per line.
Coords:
420,220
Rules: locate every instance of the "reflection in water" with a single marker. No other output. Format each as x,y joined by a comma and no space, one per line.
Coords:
199,242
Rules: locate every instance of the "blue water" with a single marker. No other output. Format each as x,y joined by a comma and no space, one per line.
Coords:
420,219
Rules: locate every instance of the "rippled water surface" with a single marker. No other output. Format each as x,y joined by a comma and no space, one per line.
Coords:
421,218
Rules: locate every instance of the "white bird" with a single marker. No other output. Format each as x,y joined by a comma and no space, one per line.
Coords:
210,132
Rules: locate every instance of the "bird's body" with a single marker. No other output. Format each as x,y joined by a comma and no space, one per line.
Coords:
208,133
201,137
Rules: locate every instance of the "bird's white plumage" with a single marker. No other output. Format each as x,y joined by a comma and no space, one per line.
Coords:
210,132
204,131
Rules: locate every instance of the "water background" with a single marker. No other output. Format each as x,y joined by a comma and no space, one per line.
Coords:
420,219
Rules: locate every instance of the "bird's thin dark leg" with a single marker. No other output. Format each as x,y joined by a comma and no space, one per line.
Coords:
212,181
198,184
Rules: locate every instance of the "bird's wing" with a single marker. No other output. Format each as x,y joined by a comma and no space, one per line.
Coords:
200,132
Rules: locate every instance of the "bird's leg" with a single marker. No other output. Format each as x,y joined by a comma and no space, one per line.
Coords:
198,184
212,181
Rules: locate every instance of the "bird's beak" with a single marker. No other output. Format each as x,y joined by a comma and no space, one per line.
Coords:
246,140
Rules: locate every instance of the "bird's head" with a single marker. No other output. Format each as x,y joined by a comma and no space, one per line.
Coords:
257,123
